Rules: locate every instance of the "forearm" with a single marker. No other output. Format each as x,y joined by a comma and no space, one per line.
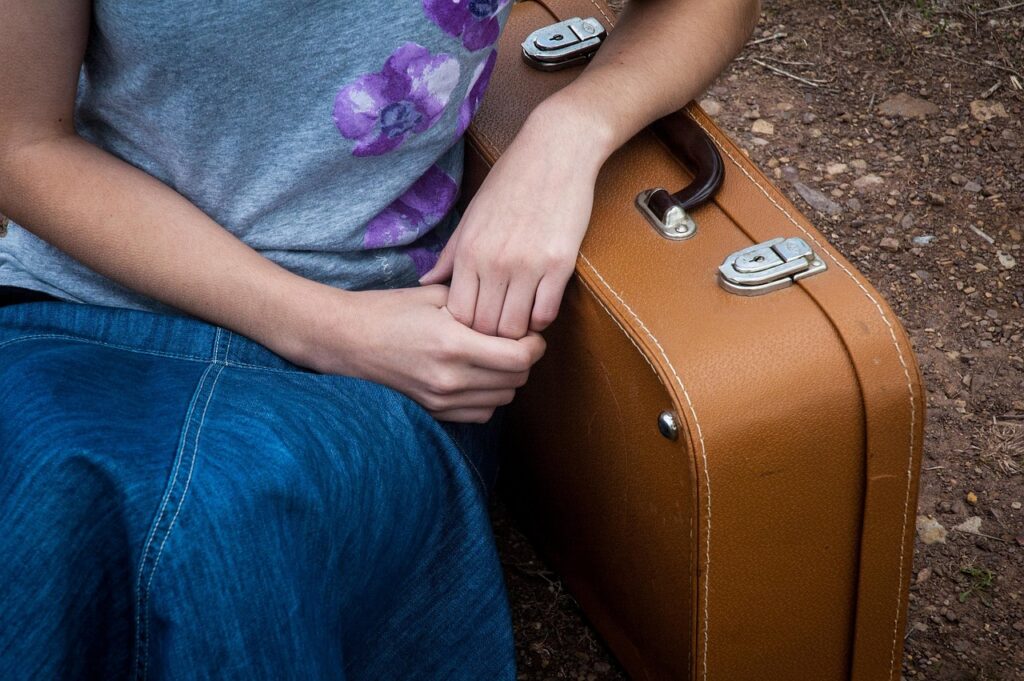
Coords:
661,55
128,226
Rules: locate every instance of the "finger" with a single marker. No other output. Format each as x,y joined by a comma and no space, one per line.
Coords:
472,399
442,269
501,354
515,312
464,415
475,378
462,294
549,298
489,302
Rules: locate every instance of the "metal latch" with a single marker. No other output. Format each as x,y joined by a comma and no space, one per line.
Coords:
768,266
563,44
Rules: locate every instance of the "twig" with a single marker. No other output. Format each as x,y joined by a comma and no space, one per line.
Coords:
886,17
983,62
788,74
989,92
766,39
986,237
1001,9
982,534
933,468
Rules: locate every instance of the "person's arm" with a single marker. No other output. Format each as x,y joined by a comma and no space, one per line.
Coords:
514,250
128,226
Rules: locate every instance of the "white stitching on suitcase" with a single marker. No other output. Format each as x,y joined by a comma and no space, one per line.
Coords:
700,436
606,17
629,337
626,333
906,372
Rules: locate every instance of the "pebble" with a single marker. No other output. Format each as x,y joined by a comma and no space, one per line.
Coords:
985,111
936,199
957,179
1006,261
836,168
972,498
859,164
711,107
907,106
930,530
923,240
890,244
763,127
817,200
972,187
867,182
907,222
1015,505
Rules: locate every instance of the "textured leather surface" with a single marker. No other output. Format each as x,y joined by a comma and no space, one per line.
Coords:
773,539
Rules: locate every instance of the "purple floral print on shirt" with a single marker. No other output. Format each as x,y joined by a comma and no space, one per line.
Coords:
475,21
477,87
379,110
413,213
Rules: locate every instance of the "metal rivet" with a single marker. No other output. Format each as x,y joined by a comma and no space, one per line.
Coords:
668,426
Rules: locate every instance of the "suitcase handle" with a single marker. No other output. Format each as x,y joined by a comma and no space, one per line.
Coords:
691,145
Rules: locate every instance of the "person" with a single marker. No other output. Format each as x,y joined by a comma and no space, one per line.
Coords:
249,350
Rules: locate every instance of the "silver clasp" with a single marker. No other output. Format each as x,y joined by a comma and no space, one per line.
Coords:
563,44
768,266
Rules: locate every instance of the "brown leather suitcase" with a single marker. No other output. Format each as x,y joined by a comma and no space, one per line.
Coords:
726,482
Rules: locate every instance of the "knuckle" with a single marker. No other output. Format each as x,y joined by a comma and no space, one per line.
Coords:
446,383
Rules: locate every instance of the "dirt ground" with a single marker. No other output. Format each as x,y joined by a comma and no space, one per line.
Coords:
899,128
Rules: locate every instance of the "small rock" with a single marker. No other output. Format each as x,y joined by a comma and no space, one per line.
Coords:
868,182
972,187
983,110
923,240
951,616
808,118
1015,505
1006,261
836,168
907,222
790,173
763,127
923,575
972,498
817,200
859,164
936,199
930,530
907,106
853,204
890,244
957,179
971,525
711,107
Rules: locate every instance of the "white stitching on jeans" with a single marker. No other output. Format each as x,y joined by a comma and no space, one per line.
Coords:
77,339
179,455
700,437
906,373
177,511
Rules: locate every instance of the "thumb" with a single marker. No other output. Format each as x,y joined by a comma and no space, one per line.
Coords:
442,269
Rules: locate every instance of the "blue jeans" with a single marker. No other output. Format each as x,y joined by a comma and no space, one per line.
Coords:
178,502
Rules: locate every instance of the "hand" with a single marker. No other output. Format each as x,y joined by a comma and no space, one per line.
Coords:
407,339
515,248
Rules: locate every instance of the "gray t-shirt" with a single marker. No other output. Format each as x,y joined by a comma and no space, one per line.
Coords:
326,134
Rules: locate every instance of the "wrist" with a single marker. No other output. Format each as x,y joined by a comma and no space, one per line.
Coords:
302,316
564,122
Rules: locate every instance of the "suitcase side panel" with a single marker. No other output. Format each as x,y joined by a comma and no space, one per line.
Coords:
602,493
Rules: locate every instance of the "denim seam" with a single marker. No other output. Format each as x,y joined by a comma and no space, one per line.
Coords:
154,527
156,353
472,466
177,511
91,341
